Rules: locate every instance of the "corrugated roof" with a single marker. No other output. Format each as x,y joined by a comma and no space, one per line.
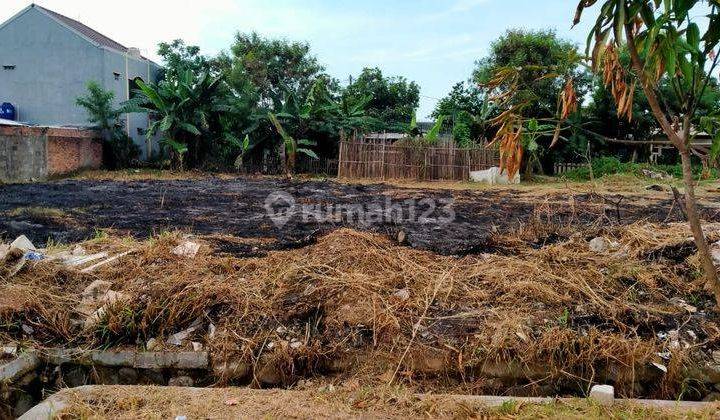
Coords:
85,30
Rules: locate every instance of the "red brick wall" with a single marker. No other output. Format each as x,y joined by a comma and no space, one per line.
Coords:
72,150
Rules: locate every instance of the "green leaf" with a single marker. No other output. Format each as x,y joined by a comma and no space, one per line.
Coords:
308,152
715,147
670,61
693,36
619,21
151,94
177,147
166,123
532,124
686,68
647,14
189,128
306,142
532,145
434,132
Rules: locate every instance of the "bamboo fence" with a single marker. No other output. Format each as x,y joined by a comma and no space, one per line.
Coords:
384,160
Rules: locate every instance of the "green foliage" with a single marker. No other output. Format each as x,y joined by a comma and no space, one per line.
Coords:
179,58
266,68
601,114
291,146
539,53
605,166
468,112
394,99
432,135
462,133
99,105
119,150
185,110
531,72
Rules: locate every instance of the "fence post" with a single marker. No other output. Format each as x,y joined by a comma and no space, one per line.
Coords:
340,159
382,160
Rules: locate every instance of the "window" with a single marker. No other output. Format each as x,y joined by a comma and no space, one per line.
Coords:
9,67
117,75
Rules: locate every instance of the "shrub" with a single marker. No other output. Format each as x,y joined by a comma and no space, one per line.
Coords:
611,166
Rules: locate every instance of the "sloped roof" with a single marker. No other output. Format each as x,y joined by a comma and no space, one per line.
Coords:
85,30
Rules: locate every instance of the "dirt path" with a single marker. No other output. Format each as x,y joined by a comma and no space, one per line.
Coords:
444,221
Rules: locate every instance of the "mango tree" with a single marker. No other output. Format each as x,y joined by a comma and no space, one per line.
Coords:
666,43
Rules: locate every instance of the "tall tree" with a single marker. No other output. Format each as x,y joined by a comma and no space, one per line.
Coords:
394,99
664,40
528,73
268,67
468,111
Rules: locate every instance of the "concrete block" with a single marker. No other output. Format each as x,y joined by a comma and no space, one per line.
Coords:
603,394
11,371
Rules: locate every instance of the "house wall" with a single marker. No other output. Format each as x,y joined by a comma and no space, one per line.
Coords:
129,68
52,68
35,153
53,65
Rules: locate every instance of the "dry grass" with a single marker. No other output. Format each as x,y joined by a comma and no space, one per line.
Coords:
344,402
533,321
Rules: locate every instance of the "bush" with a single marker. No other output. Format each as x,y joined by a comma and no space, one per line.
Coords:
120,151
611,166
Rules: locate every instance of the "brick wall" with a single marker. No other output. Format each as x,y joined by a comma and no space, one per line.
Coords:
34,153
71,150
22,154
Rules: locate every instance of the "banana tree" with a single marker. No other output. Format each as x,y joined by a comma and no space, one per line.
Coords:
432,136
291,147
182,108
348,115
665,42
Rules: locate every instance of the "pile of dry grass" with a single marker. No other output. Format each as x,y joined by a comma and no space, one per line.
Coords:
533,320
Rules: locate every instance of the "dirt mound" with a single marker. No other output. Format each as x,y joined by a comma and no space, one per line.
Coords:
537,320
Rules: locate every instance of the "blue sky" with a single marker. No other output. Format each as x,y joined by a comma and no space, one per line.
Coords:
433,42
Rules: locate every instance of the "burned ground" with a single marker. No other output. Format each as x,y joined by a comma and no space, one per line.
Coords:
73,210
522,305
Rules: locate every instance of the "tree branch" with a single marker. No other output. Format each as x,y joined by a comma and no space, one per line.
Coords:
649,92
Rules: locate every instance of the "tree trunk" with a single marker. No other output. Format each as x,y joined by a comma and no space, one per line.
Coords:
711,276
681,142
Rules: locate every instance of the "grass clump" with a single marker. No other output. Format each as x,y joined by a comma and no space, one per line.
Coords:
605,166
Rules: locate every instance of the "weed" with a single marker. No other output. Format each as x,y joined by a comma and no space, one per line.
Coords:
562,320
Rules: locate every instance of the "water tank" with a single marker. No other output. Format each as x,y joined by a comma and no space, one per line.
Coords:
7,111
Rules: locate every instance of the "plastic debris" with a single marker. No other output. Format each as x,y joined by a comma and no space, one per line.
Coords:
107,261
402,294
23,243
661,367
187,249
34,256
